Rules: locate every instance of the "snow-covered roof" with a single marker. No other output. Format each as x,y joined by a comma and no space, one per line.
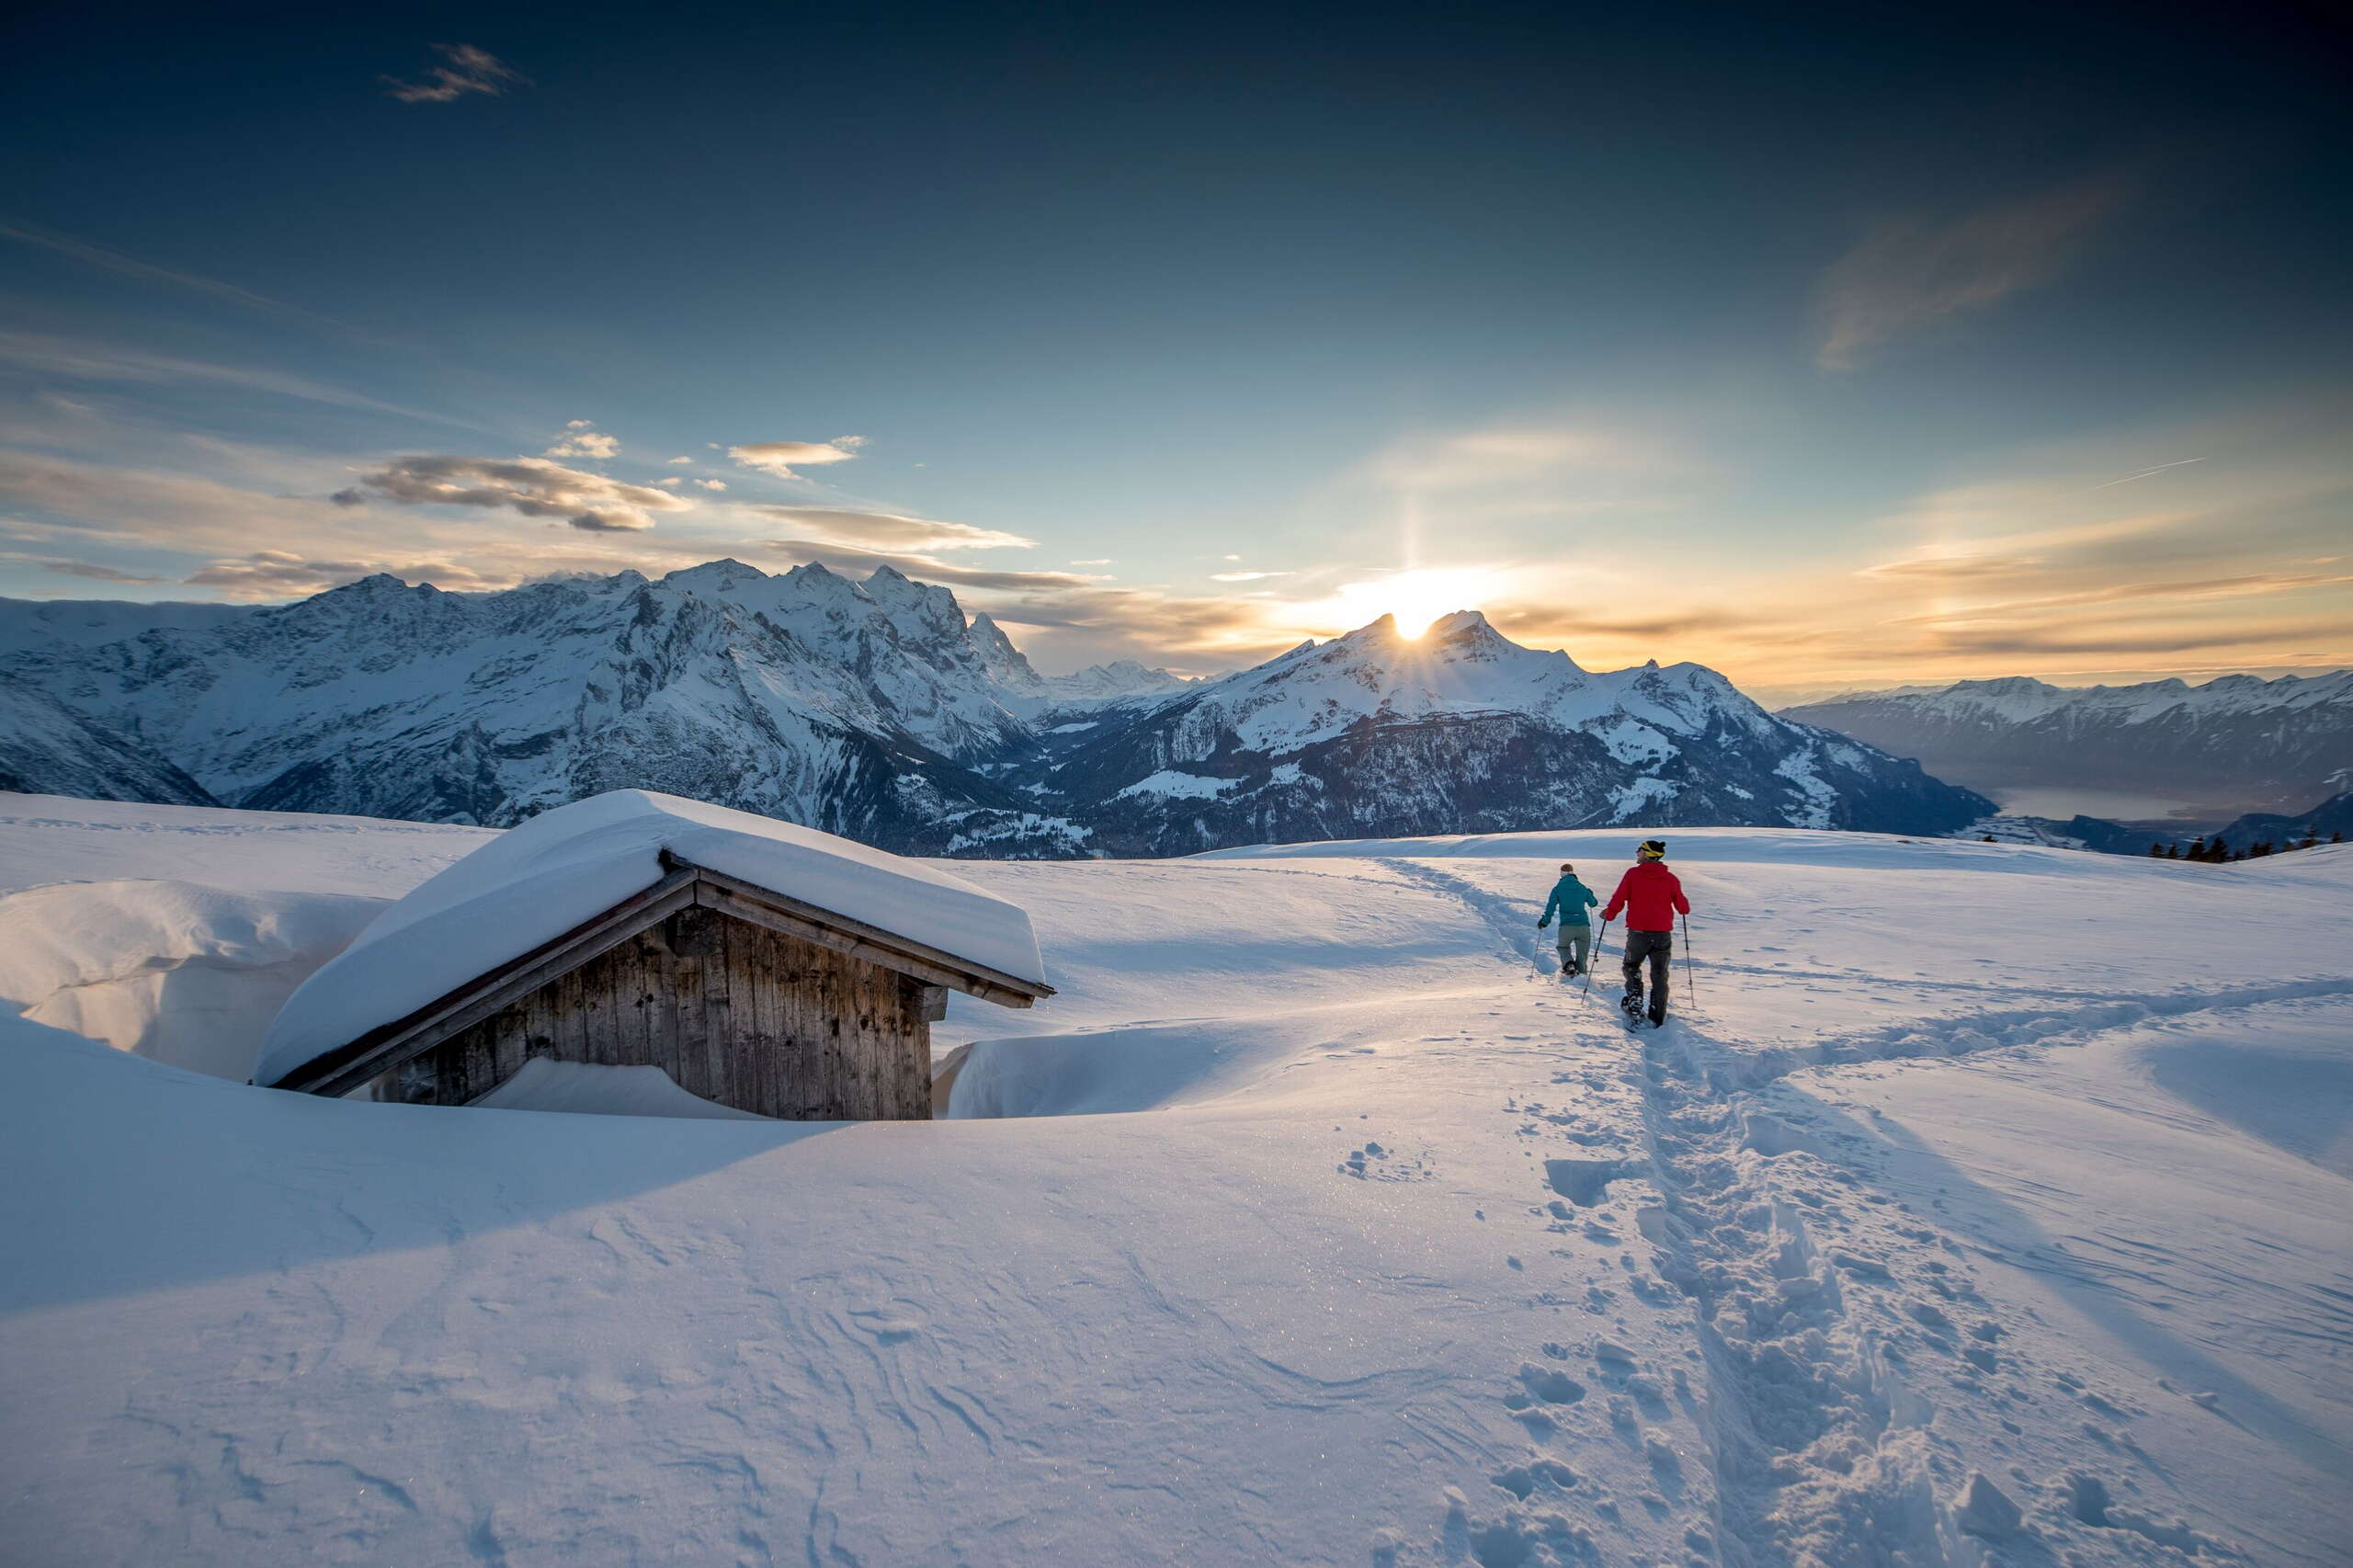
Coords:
533,883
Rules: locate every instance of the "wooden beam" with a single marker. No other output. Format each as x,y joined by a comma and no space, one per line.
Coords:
847,934
340,1071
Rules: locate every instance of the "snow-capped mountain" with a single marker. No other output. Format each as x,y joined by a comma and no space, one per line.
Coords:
849,706
2288,741
46,748
1462,731
874,708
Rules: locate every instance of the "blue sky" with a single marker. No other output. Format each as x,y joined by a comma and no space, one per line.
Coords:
1845,350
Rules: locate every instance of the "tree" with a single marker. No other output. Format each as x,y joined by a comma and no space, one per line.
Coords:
2198,847
2156,850
2312,836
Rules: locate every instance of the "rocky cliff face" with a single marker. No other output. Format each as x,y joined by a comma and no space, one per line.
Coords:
873,708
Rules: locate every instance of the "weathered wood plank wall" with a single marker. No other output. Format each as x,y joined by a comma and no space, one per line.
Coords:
734,1013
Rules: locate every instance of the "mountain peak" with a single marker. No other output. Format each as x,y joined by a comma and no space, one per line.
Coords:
721,575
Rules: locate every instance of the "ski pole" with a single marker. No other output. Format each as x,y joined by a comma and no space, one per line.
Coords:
1594,956
1689,983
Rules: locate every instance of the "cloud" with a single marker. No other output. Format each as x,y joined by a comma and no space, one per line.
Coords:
1909,271
68,568
670,483
889,531
131,266
777,458
929,568
680,463
98,362
1952,568
281,574
463,69
580,439
1510,455
532,486
711,484
1245,576
1100,561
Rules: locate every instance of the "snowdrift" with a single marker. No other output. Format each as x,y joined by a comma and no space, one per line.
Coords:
179,933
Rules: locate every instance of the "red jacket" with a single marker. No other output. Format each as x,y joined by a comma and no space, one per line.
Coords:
1650,895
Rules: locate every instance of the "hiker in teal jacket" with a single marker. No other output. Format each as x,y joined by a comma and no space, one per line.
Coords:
1570,900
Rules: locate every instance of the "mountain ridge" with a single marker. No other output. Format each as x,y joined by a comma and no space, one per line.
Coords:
2238,739
877,708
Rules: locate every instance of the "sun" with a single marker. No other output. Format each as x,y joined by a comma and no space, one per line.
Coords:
1415,597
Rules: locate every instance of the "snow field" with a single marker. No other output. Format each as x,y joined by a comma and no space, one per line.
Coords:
1983,1206
178,932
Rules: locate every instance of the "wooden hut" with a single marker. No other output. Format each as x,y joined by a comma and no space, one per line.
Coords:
744,991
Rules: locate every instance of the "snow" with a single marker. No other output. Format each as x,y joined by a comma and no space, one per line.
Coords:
177,933
586,1088
2021,699
1982,1202
532,884
1170,784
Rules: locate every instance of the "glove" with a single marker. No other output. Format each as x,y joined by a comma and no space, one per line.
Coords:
1541,924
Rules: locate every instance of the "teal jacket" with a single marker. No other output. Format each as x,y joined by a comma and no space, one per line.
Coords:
1570,898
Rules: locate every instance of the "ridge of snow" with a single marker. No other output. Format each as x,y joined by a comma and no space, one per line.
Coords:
589,1088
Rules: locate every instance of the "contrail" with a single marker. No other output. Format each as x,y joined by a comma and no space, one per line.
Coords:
2146,472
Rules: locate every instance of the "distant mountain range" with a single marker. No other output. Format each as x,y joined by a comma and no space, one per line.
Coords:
2239,739
877,709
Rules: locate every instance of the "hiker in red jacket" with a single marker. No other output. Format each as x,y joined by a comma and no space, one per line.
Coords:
1651,897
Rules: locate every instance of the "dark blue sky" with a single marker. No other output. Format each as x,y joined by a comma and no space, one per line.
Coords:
1811,346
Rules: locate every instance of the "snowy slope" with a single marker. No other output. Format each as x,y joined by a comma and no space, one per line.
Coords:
46,748
1975,1178
177,933
1462,728
2238,739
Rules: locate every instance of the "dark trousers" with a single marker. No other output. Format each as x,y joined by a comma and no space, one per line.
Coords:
1658,946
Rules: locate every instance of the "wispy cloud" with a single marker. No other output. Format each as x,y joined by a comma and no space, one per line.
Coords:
100,362
463,69
889,531
780,457
1509,455
116,262
69,568
581,439
532,486
1909,271
1245,576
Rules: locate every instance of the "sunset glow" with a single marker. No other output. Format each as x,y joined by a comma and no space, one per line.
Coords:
1413,598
